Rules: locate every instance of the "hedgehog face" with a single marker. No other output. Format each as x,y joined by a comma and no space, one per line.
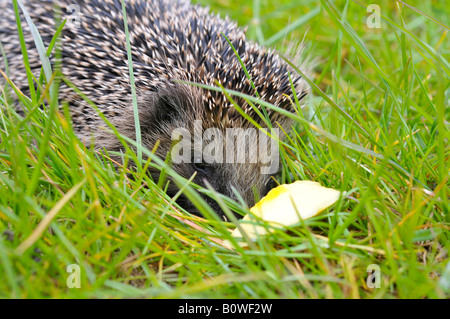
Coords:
232,160
230,163
225,179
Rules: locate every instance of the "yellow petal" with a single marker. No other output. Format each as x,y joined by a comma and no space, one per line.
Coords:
286,204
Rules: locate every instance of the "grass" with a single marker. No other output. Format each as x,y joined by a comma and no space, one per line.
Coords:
375,127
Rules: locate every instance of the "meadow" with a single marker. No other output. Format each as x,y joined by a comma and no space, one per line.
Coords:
375,127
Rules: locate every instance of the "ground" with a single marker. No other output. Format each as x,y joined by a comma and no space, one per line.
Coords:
375,127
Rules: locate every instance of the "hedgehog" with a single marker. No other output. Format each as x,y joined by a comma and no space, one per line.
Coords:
172,43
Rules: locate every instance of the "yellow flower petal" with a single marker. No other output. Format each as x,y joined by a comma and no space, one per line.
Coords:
286,204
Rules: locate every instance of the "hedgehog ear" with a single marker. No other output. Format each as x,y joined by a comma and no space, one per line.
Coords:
166,109
157,108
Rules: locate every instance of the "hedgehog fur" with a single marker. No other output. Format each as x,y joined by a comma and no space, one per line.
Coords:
170,40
